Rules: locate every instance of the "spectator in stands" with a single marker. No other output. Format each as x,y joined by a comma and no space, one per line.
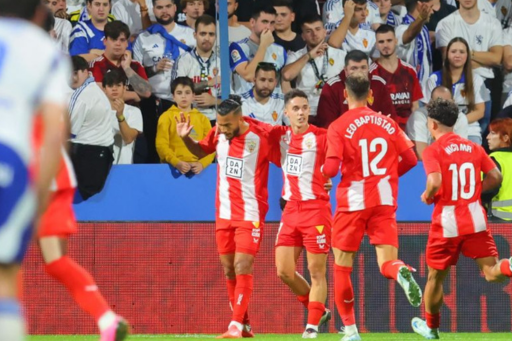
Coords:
499,200
507,63
283,34
332,103
128,123
58,8
169,145
349,36
414,39
400,77
193,9
485,38
84,13
440,10
334,12
417,127
259,47
203,67
261,102
313,65
387,16
137,14
466,85
499,9
87,36
60,30
117,57
237,31
91,131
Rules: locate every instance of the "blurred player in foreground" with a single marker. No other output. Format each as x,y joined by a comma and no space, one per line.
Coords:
373,152
459,223
307,217
243,152
30,83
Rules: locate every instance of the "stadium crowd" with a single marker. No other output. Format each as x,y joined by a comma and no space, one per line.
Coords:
414,51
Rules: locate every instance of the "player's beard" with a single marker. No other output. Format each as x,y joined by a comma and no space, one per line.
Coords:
235,133
165,22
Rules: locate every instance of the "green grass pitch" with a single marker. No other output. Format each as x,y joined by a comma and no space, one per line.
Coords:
290,337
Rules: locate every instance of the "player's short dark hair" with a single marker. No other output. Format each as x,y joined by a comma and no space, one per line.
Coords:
114,77
206,3
205,20
231,105
294,93
358,2
385,28
24,9
114,29
358,85
183,81
311,18
79,63
443,111
265,67
355,56
263,7
283,3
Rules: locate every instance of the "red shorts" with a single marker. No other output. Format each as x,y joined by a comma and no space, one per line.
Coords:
238,236
444,252
378,222
306,224
59,218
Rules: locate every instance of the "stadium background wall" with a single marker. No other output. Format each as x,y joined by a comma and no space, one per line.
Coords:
166,278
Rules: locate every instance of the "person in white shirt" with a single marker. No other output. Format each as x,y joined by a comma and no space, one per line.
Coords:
334,13
349,36
127,124
466,85
500,9
484,35
158,47
259,47
261,102
193,9
414,39
92,137
507,63
203,67
313,65
237,31
417,128
137,14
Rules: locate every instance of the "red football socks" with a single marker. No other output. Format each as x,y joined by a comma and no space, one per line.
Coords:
243,291
344,294
304,299
505,268
231,284
390,268
433,320
315,312
80,284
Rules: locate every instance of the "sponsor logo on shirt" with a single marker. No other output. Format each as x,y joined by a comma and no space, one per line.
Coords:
274,116
293,164
234,168
155,46
331,61
235,55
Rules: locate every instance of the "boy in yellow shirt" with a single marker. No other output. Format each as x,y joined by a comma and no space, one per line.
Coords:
169,145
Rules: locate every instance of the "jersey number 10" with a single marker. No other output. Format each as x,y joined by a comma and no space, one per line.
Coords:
372,166
459,174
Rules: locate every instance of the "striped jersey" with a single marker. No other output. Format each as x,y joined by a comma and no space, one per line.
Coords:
457,209
368,145
242,172
334,13
85,37
301,158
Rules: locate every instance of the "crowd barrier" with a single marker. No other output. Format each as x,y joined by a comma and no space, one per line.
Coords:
166,278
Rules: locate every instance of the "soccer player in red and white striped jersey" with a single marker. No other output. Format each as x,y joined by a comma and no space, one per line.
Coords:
373,152
243,152
459,223
307,217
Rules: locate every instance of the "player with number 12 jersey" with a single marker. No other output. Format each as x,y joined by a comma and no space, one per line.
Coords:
369,147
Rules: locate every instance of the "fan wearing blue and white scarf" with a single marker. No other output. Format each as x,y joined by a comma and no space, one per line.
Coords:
422,43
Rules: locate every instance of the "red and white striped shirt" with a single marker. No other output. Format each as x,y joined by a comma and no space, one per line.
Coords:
368,145
242,172
457,208
301,158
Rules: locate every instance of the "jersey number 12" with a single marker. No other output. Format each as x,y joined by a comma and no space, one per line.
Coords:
372,166
459,174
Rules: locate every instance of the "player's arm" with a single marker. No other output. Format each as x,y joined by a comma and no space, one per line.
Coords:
406,161
183,128
493,177
247,68
434,177
334,153
420,147
207,127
